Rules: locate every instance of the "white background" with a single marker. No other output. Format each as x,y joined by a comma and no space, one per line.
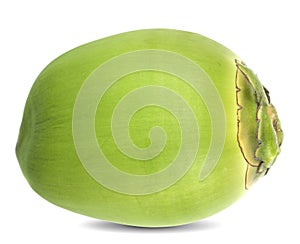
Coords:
264,33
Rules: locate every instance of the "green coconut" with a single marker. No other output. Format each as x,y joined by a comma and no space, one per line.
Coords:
148,128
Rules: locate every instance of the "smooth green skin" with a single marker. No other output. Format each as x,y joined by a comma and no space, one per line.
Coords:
48,157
